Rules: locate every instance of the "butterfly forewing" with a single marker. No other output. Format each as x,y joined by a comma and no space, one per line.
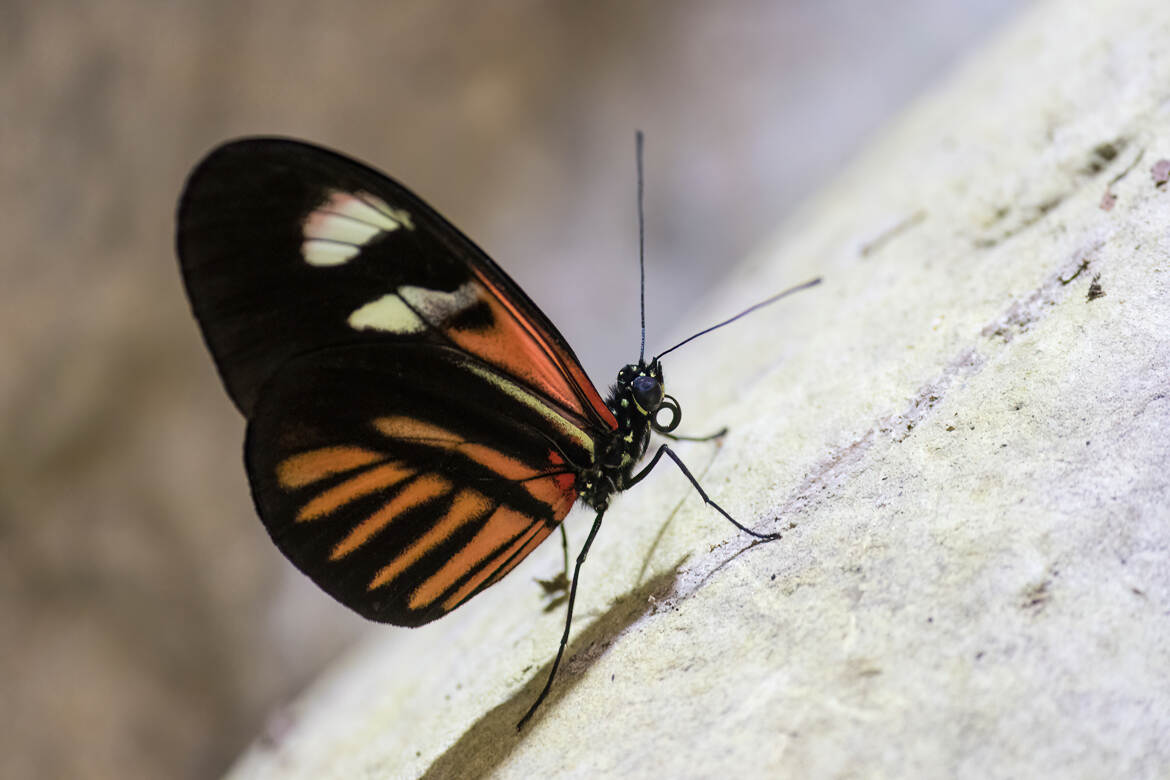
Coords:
287,247
415,424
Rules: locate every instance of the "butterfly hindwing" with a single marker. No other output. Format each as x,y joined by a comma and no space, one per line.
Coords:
415,423
404,505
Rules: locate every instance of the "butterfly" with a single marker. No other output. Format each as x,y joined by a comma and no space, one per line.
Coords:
416,425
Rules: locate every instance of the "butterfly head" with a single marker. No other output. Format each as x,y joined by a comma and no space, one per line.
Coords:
640,386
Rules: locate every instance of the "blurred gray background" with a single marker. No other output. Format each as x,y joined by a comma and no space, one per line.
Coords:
147,625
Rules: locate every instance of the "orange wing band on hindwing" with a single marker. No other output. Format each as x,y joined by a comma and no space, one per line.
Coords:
468,506
315,465
500,535
421,490
504,527
370,481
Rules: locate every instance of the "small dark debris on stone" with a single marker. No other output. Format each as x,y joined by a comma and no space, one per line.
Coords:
1095,290
1102,155
1036,596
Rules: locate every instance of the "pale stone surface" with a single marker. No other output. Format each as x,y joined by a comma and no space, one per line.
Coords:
971,454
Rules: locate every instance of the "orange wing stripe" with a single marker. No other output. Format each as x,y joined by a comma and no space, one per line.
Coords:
507,467
468,505
416,493
488,569
416,430
309,467
370,481
504,525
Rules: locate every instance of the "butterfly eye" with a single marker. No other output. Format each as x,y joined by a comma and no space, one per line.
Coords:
647,393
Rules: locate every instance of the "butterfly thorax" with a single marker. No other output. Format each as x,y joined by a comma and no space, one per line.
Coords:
635,400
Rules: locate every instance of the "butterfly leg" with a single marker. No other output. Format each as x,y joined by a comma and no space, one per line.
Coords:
568,620
666,450
556,589
565,548
719,434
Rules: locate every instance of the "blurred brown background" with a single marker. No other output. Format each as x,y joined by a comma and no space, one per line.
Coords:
148,626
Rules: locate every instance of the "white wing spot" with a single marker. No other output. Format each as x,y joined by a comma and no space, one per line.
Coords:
388,313
319,252
336,231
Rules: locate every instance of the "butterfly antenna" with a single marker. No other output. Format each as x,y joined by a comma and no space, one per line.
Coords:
744,313
641,239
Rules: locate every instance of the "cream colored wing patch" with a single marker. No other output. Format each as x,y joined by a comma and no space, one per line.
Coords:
388,313
403,311
336,231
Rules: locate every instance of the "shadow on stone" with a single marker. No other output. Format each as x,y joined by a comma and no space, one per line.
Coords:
492,738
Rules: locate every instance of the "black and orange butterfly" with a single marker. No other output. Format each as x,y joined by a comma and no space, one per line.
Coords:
416,425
